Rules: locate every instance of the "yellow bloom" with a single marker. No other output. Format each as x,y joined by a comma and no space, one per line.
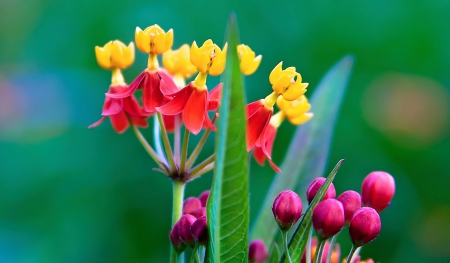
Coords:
287,82
115,55
209,58
248,62
177,62
153,39
295,111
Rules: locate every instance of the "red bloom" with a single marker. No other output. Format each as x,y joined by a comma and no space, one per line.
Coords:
264,146
192,102
154,84
214,97
118,109
258,117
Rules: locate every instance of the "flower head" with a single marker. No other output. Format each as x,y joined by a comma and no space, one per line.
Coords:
314,187
115,55
287,82
287,209
177,62
351,201
209,58
174,236
364,226
248,62
296,111
328,218
153,39
377,190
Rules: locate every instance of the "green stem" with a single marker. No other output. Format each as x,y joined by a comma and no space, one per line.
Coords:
184,150
176,139
330,251
286,249
350,255
197,253
319,251
146,145
308,246
207,168
178,193
166,143
195,171
194,254
200,145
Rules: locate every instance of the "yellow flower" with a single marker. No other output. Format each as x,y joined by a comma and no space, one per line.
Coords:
287,82
248,62
177,62
153,39
209,58
295,111
115,55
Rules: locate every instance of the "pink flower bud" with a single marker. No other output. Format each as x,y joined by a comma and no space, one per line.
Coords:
378,189
199,230
351,201
174,236
204,197
190,205
314,187
257,252
199,212
186,222
287,209
328,218
364,226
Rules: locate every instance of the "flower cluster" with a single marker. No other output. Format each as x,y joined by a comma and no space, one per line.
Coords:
331,215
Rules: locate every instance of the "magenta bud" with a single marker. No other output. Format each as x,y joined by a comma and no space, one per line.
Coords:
174,236
287,209
199,212
257,252
328,218
200,231
314,187
190,205
351,201
204,197
364,226
186,222
378,189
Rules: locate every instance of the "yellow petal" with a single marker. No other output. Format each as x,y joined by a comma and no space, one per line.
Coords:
217,67
142,40
158,44
301,119
103,57
292,93
253,66
169,61
129,54
275,74
169,40
281,83
194,54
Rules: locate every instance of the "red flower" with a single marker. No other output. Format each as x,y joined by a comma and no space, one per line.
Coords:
258,117
264,146
192,102
154,84
214,97
118,109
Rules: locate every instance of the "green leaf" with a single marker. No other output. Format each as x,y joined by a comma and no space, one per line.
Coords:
274,254
301,234
308,152
227,209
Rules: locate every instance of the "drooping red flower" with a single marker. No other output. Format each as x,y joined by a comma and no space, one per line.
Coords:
192,102
263,147
118,109
154,84
258,117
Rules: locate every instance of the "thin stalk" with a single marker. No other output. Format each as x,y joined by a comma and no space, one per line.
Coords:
166,143
350,255
202,165
330,251
308,246
319,251
184,150
200,145
178,193
146,145
194,254
207,168
197,253
355,255
176,139
286,249
157,139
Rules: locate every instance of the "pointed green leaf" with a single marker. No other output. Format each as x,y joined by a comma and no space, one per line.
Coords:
308,153
227,209
274,254
301,234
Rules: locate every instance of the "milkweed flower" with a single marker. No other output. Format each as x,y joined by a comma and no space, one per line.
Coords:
193,100
247,60
153,81
115,56
296,111
287,82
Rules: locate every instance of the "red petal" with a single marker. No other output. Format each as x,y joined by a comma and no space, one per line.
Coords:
95,124
169,122
214,97
178,103
253,107
167,86
139,121
269,138
259,155
207,123
119,122
131,106
256,124
131,88
195,110
151,94
112,106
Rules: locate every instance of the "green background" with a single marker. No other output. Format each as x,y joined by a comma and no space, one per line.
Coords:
69,194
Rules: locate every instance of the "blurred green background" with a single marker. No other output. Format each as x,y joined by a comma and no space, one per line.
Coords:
69,194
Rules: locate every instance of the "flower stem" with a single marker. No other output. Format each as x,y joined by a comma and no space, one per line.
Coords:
286,248
350,255
166,143
176,139
195,171
330,251
184,150
194,255
146,145
308,246
319,251
200,145
178,193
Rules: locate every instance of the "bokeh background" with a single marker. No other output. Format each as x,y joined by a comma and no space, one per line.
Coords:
69,194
